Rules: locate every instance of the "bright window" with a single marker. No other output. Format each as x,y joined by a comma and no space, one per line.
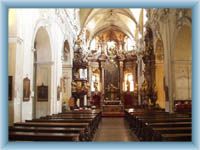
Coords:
95,83
128,82
83,73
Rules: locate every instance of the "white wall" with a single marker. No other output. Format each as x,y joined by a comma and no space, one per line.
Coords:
168,24
24,29
182,64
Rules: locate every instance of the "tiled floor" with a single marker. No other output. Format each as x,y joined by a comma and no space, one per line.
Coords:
114,129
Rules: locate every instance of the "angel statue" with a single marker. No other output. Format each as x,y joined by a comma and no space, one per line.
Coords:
96,86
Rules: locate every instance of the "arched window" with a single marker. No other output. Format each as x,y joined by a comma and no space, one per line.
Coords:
95,83
128,82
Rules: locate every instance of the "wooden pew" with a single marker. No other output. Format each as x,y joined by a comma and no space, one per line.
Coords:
52,124
147,130
37,136
176,137
58,124
158,132
81,131
144,121
170,124
82,112
72,126
91,122
96,118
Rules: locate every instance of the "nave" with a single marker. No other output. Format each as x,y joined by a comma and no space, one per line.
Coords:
100,74
114,130
137,125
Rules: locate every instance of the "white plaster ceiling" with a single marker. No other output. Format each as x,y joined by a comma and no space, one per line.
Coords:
97,20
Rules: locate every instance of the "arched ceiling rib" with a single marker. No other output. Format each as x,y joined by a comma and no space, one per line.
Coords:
93,12
96,20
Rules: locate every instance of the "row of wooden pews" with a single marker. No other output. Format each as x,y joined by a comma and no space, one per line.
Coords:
67,126
158,125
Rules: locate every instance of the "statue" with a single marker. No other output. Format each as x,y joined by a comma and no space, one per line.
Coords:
66,50
86,87
112,88
71,103
154,95
144,94
78,86
79,41
144,86
74,86
76,75
96,85
128,85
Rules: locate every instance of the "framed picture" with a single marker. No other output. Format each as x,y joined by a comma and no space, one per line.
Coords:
26,89
10,78
58,92
42,93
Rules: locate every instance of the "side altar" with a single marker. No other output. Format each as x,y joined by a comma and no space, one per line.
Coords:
111,108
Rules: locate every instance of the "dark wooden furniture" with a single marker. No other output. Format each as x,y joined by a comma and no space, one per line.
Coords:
157,125
69,126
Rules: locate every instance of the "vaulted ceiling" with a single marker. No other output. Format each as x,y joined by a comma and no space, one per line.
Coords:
98,20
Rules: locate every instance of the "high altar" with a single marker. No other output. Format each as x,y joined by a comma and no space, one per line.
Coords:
112,108
111,73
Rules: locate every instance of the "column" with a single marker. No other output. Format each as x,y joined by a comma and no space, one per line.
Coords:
102,81
139,83
89,80
159,84
18,80
135,79
121,77
168,69
67,79
134,73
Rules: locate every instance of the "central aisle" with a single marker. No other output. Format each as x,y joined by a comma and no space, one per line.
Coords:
114,129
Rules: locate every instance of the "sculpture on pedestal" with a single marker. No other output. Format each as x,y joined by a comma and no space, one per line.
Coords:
149,89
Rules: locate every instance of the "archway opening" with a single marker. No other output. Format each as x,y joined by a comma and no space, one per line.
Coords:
43,75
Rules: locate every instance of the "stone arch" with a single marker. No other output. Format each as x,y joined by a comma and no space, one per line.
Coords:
42,71
182,57
44,24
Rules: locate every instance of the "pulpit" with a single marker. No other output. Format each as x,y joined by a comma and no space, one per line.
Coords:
112,108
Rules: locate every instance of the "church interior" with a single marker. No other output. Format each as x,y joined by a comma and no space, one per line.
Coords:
81,74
